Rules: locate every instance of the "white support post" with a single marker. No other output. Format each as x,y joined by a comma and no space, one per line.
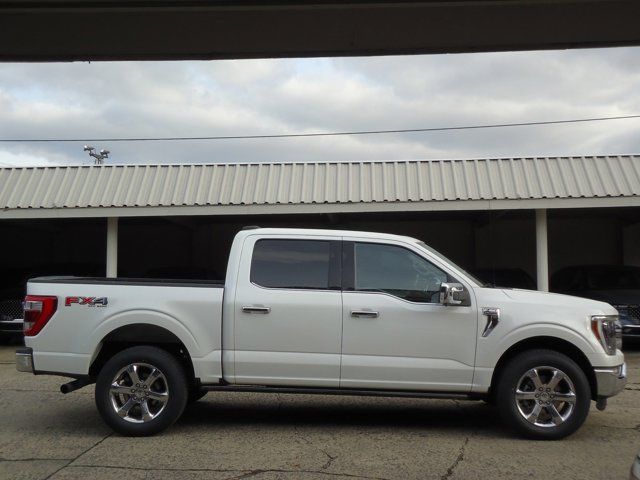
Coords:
112,247
542,252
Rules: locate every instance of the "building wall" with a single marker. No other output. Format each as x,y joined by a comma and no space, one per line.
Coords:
30,248
631,244
454,238
591,239
211,245
156,247
595,240
497,240
507,243
197,247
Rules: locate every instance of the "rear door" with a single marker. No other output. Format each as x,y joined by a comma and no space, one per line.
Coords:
396,334
288,312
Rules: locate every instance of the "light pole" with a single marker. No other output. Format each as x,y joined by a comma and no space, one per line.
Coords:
99,157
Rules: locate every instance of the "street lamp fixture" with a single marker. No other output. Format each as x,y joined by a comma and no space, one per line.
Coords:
99,157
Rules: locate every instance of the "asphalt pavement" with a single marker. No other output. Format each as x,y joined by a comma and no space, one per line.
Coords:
47,435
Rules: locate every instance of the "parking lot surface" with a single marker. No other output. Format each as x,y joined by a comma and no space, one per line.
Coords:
47,435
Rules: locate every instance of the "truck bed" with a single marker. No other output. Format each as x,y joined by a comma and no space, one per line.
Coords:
89,309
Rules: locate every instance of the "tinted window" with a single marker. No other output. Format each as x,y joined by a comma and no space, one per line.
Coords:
291,264
397,271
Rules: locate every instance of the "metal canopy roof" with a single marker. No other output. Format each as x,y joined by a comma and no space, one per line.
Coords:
270,188
62,30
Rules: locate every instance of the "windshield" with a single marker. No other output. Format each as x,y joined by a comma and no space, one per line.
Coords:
453,264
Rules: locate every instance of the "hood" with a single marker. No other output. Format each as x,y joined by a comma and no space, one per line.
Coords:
560,300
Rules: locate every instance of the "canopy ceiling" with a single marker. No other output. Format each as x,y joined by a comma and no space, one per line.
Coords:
56,30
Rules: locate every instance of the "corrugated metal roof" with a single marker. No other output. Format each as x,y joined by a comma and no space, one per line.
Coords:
96,187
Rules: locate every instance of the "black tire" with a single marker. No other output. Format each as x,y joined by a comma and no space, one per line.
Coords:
545,425
170,389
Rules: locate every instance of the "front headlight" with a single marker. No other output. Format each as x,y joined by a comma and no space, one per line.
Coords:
607,330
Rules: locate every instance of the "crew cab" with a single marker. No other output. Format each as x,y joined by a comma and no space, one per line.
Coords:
327,312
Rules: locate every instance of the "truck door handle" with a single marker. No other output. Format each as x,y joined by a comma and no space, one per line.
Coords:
364,313
252,309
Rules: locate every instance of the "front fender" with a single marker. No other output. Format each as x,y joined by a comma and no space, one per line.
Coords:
490,350
488,357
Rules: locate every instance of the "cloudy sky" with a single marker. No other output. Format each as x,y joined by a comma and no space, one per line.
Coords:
258,97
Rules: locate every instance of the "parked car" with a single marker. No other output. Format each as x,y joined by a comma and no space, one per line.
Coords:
321,311
11,324
506,277
618,285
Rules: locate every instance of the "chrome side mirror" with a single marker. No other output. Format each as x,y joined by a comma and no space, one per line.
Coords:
454,294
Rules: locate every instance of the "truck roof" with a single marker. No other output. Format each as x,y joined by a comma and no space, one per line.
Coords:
325,232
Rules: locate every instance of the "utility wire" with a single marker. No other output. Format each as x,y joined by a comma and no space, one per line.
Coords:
317,134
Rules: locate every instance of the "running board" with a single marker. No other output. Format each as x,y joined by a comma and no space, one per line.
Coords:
338,391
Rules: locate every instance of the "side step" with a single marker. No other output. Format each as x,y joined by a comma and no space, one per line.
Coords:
338,391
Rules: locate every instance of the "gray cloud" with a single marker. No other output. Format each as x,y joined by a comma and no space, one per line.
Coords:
83,100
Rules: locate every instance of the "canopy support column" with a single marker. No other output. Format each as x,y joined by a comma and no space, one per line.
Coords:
112,247
542,252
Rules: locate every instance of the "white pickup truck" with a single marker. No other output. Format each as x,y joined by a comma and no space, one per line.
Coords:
321,311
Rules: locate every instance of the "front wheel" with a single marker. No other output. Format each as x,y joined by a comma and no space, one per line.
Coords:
141,391
543,394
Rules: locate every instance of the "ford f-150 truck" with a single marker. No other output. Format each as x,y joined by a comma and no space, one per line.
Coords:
321,311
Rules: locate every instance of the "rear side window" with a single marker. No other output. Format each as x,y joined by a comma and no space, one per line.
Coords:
291,264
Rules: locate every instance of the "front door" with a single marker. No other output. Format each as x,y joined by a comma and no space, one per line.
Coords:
288,312
396,334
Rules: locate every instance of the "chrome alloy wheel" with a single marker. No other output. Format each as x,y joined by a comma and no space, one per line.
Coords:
545,396
139,392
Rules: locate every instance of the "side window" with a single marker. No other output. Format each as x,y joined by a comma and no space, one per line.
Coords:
397,271
291,264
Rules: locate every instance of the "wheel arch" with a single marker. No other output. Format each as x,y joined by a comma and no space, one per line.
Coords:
139,334
549,343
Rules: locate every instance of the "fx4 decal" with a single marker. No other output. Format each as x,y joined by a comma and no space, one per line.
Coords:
88,301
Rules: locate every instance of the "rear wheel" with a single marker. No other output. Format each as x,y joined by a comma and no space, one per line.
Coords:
141,391
543,394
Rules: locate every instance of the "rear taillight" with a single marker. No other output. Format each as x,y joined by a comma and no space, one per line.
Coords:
38,309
